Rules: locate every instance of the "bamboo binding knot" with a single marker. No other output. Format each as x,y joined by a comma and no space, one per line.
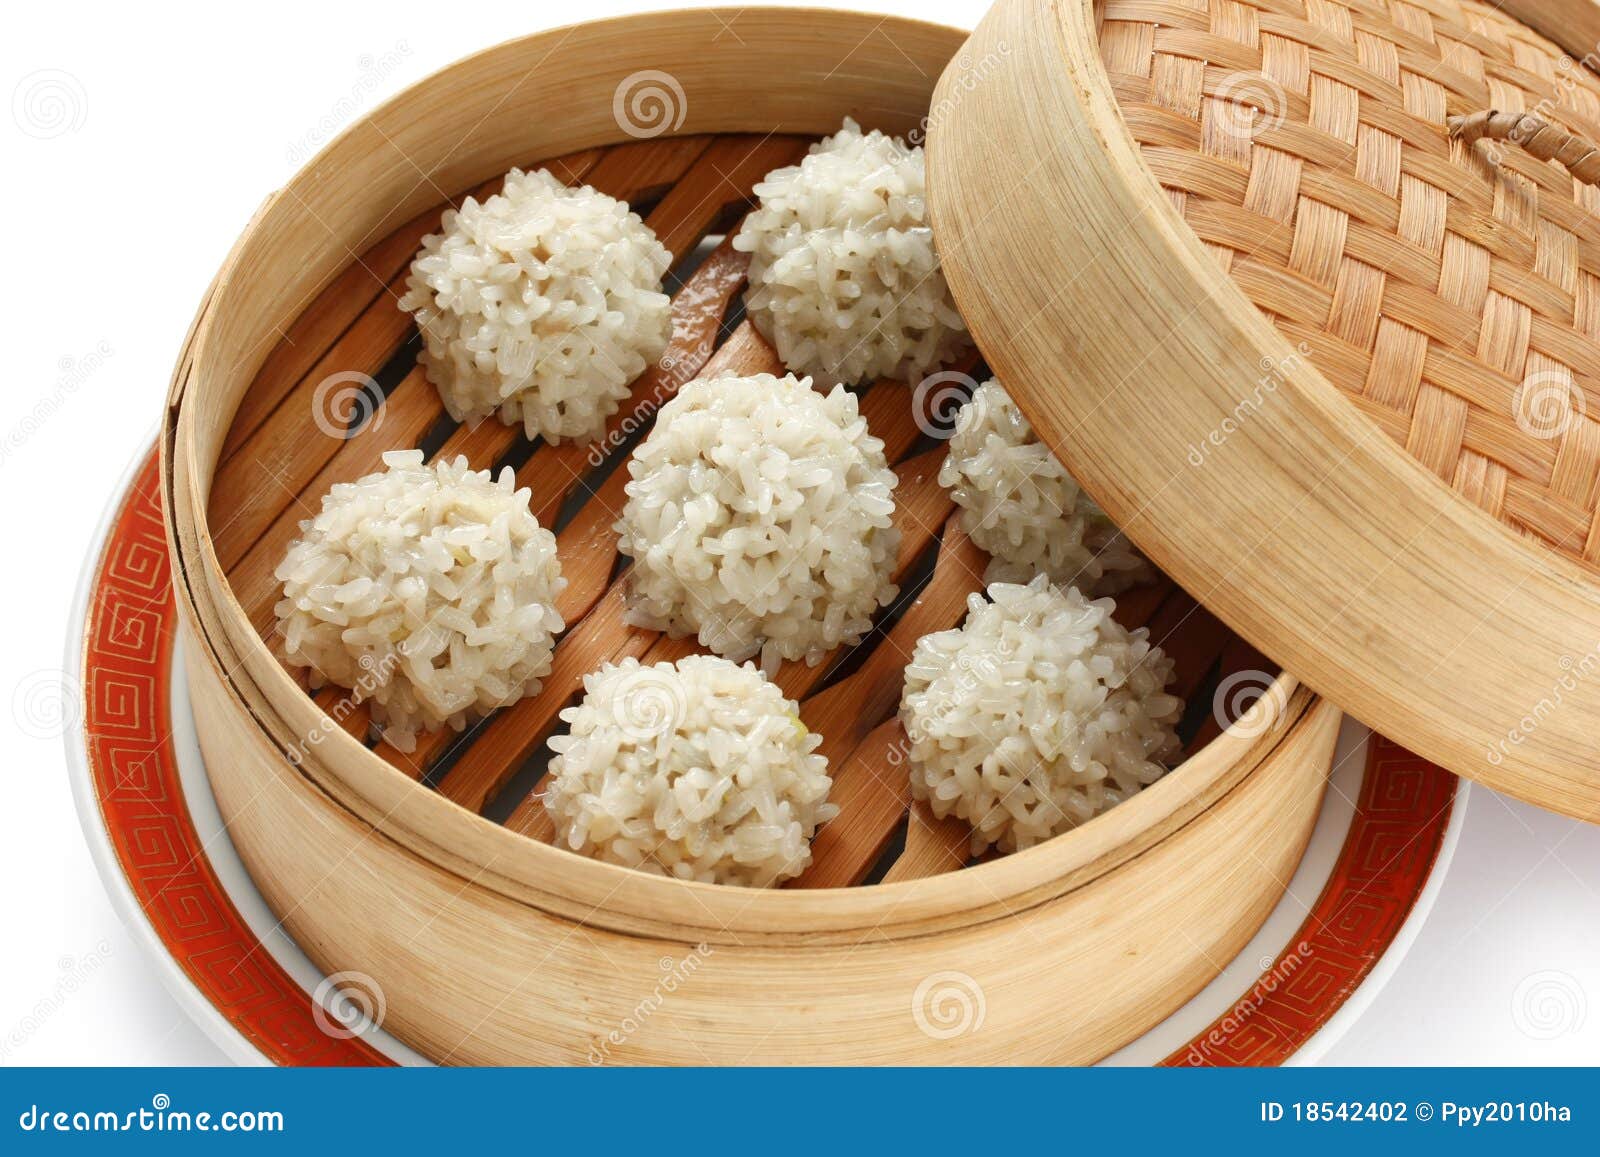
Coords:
1542,139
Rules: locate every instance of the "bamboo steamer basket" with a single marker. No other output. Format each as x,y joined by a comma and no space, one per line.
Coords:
1345,263
430,873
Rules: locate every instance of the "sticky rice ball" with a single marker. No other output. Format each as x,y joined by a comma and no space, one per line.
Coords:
1020,505
428,590
844,280
1037,714
700,770
758,518
542,303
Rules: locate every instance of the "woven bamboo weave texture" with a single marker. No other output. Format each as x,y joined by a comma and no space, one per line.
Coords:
1451,289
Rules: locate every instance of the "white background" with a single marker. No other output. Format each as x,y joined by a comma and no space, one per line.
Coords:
120,203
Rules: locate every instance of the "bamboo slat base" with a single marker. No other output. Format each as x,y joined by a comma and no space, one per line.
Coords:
693,190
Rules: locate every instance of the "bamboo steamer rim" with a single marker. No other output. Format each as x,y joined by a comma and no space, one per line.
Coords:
1321,540
365,180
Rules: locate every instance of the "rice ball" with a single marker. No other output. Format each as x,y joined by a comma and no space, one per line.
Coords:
1037,714
1021,506
700,770
759,519
428,590
544,302
844,279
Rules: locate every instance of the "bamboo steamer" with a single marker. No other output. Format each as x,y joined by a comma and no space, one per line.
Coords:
1359,334
429,873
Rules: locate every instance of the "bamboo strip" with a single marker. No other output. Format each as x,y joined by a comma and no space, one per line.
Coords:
870,783
299,437
932,846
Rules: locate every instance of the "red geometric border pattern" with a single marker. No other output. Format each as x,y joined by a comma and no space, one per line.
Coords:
1388,855
127,683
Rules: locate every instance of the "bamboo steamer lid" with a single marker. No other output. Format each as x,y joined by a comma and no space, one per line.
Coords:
1318,330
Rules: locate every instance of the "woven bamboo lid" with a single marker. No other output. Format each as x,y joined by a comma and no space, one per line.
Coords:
1335,367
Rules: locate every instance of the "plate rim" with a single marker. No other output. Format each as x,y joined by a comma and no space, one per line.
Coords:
1357,1004
217,1025
91,820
